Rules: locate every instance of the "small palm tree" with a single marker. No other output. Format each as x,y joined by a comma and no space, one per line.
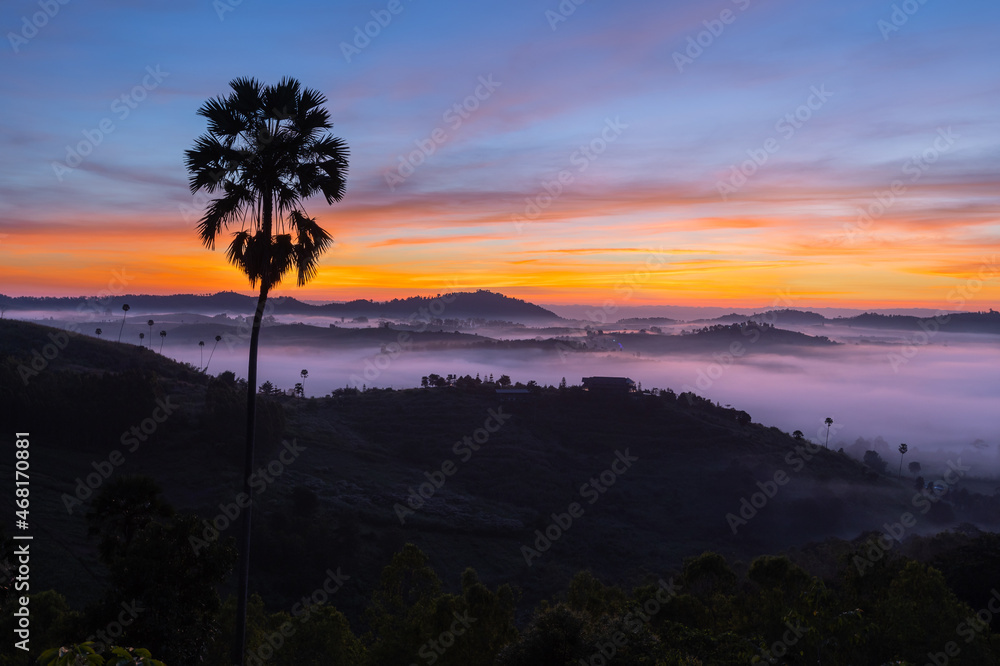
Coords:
98,331
267,150
141,336
201,349
829,422
304,374
125,309
163,336
902,452
150,324
217,339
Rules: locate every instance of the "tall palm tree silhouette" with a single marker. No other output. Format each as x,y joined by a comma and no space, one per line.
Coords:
141,336
163,336
217,339
150,324
98,331
304,374
902,452
201,349
125,309
266,151
828,422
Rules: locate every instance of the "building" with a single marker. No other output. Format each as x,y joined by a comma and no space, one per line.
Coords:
609,385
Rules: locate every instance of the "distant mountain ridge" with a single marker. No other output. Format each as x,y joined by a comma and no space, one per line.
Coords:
955,322
480,303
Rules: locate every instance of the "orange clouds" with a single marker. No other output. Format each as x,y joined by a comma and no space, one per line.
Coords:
587,247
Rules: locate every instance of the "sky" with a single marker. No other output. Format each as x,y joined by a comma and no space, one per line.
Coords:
733,152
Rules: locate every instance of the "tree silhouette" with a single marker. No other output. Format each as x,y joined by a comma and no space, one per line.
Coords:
124,506
914,468
828,422
902,452
98,332
125,309
217,339
798,436
873,460
304,374
150,324
141,336
266,151
163,336
201,350
84,653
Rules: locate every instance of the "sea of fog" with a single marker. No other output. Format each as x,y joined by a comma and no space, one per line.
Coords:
941,396
936,397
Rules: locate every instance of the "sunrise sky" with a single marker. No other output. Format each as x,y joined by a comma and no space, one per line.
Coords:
648,110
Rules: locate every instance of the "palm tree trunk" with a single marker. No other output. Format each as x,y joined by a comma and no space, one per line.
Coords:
239,649
239,646
211,355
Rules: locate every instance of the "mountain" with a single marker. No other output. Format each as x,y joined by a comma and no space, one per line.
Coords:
459,305
956,322
785,317
387,467
953,322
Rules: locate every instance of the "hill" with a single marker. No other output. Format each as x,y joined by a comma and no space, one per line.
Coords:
479,304
528,491
785,317
956,322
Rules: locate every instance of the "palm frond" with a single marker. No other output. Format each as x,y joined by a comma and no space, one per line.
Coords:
280,102
267,144
223,119
236,254
312,242
224,211
282,257
246,96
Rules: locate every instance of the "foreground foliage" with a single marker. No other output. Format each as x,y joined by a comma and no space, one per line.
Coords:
898,611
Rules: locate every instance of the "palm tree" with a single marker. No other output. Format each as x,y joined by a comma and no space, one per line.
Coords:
141,336
303,375
217,339
902,452
125,309
828,422
266,151
201,346
98,332
150,324
163,336
798,436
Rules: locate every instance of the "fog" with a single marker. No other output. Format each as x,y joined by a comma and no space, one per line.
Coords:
939,397
942,397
